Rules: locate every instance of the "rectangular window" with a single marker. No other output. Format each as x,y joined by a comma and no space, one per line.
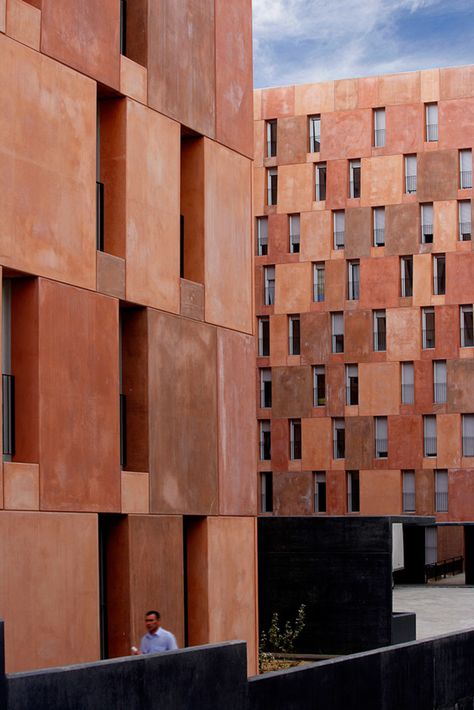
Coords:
465,169
408,492
439,381
352,384
408,383
380,331
431,545
410,174
269,285
318,282
319,386
271,138
265,440
379,127
319,491
428,327
468,434
439,275
337,324
295,439
381,438
339,440
464,220
294,233
353,492
354,178
262,236
467,330
379,226
406,276
265,387
429,435
266,492
339,226
294,335
272,186
264,336
353,280
320,182
441,491
431,122
314,134
8,380
427,223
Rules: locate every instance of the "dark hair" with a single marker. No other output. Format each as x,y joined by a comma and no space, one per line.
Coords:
156,613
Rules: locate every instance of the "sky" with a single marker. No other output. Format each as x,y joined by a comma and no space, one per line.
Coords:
305,41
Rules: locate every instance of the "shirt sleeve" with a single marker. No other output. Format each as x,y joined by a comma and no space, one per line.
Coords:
172,645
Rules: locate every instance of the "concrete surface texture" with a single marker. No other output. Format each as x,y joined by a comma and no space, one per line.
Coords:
440,608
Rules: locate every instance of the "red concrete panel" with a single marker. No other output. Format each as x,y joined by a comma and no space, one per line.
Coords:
445,236
295,188
337,184
346,94
60,586
423,370
78,383
336,389
236,423
405,128
293,493
293,287
402,231
459,281
379,282
376,188
259,139
379,388
447,332
360,443
314,98
456,117
278,339
422,279
335,284
358,335
24,23
316,235
182,415
368,91
460,376
429,85
181,69
399,88
20,486
133,79
346,134
448,434
336,492
192,300
450,542
292,145
110,274
438,175
278,102
358,232
228,262
280,444
278,236
460,492
86,41
292,392
403,333
234,85
315,337
456,82
380,492
57,148
424,491
135,492
405,435
316,437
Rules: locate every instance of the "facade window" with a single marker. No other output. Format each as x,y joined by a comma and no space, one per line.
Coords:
266,492
431,122
318,282
314,134
465,169
354,178
265,387
319,386
381,438
353,280
271,138
353,492
264,336
319,478
468,434
272,186
464,217
320,182
427,223
429,435
380,331
439,275
265,440
294,335
439,381
408,383
337,325
294,233
339,226
467,331
339,438
379,226
406,276
428,328
379,127
262,236
295,439
408,492
8,380
352,384
269,285
410,174
441,491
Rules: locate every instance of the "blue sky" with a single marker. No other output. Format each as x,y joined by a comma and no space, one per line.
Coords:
302,41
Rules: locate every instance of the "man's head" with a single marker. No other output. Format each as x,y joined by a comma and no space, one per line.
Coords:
152,621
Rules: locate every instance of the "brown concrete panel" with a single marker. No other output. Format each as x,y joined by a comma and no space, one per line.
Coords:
86,41
110,274
316,230
402,231
314,98
133,79
429,85
78,383
228,270
58,148
278,236
192,207
113,122
382,180
152,274
448,434
405,436
403,334
24,23
335,388
379,388
182,415
292,145
459,281
295,188
422,279
20,486
135,492
292,392
405,128
236,423
335,284
293,493
336,492
337,184
399,88
346,134
358,232
438,175
278,102
346,94
316,437
293,287
315,337
192,299
360,444
445,225
60,586
380,492
424,491
234,85
456,82
450,542
447,332
181,62
460,376
280,444
460,494
379,282
423,370
357,335
457,115
278,339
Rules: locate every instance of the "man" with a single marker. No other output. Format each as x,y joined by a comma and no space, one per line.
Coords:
156,638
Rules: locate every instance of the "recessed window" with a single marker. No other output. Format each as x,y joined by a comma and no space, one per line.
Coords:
410,174
379,127
427,223
439,381
294,224
319,386
464,217
262,236
431,122
319,478
271,138
295,439
264,336
320,175
378,214
272,186
429,435
468,434
265,387
352,384
465,169
354,178
269,285
318,282
339,226
353,492
428,328
380,331
314,134
467,330
408,383
406,276
339,438
439,275
294,335
265,440
381,438
266,492
337,323
353,280
441,491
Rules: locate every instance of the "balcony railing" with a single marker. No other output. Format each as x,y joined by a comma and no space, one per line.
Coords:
381,448
465,181
467,338
431,131
265,449
8,414
408,502
465,231
428,338
353,290
410,184
99,196
338,343
379,137
352,395
293,345
379,236
441,502
318,292
468,446
339,239
407,287
427,233
380,341
269,295
123,431
439,392
430,445
264,347
319,397
408,394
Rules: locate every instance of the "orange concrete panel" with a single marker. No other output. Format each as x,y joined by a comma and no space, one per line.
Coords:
316,228
336,390
58,556
337,184
314,98
403,334
234,85
236,423
460,375
457,116
278,236
447,332
259,191
259,143
445,225
459,281
315,337
3,12
358,335
405,436
438,175
278,102
24,23
278,339
399,88
379,282
380,492
368,88
257,104
423,370
135,492
429,85
456,82
292,145
346,134
295,188
280,444
346,94
228,261
110,274
39,232
405,128
292,392
382,180
379,388
133,80
293,493
86,41
336,492
448,433
293,287
460,494
316,437
422,279
424,489
402,231
358,232
181,70
335,284
78,383
360,443
20,486
152,194
182,367
192,300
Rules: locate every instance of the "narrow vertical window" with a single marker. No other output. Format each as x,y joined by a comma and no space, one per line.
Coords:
99,190
381,438
264,336
429,435
266,492
295,439
272,186
379,127
294,224
265,440
467,329
439,275
408,383
468,434
353,492
380,331
406,276
314,134
427,223
294,335
339,439
262,236
320,175
354,178
465,169
269,285
8,380
431,122
410,174
352,384
318,282
428,327
271,138
337,322
319,386
441,491
339,226
265,387
464,218
319,478
439,381
123,27
408,492
353,280
379,226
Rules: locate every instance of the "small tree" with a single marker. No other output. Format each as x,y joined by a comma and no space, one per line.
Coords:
278,640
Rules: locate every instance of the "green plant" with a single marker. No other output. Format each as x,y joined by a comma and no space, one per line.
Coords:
278,640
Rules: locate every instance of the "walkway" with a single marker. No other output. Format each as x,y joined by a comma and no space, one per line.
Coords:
439,609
